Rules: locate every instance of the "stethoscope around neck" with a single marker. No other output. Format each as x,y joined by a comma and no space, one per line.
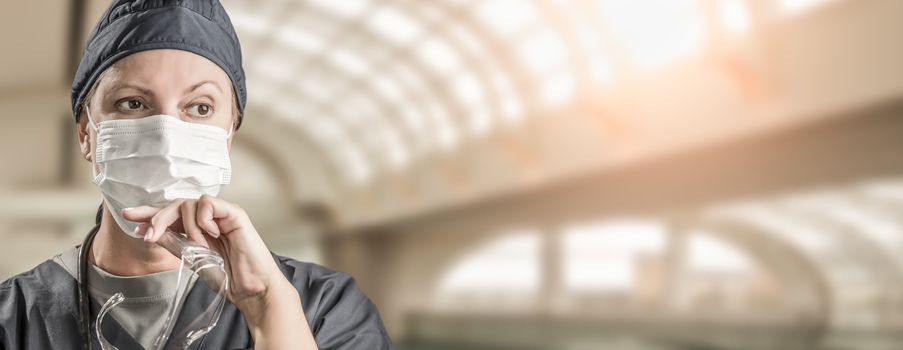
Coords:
84,301
209,267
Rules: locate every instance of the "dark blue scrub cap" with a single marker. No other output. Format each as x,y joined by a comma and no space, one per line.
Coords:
130,26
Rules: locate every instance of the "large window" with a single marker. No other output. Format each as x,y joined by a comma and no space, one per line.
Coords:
503,272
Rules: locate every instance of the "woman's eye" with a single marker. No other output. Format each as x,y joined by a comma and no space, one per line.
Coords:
200,110
131,105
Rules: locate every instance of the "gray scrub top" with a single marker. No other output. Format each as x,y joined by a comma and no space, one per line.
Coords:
148,297
39,310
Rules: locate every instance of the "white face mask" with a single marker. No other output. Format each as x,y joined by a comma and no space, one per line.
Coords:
157,159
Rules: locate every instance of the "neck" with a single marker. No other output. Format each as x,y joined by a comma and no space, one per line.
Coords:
123,255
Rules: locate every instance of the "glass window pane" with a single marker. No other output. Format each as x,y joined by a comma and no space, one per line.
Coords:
604,256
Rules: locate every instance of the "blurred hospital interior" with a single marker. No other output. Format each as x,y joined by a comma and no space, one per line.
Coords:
537,174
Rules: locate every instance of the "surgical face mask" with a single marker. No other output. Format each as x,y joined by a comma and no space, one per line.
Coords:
155,160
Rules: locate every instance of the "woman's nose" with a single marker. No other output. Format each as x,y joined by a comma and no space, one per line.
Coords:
172,111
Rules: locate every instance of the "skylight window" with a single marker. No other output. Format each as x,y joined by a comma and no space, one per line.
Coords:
393,25
439,56
734,15
298,38
655,32
543,52
793,7
343,8
349,62
508,18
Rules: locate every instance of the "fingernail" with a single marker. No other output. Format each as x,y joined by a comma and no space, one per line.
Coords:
137,231
148,234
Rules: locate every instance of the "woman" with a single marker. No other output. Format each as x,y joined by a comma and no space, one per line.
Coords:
157,98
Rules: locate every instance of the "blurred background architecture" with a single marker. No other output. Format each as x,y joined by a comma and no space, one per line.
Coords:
519,174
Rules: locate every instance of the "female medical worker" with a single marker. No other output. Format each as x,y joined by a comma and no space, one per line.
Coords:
157,96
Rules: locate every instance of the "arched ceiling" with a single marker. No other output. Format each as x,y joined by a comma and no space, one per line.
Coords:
411,105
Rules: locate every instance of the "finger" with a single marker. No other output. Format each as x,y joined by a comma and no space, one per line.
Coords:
209,209
162,220
139,214
189,222
141,229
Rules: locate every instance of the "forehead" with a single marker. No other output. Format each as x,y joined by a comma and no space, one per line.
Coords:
165,68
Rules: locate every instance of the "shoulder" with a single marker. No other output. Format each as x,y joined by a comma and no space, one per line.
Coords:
37,301
341,316
325,286
310,272
47,277
40,289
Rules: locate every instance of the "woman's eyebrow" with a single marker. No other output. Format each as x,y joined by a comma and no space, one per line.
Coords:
199,84
143,90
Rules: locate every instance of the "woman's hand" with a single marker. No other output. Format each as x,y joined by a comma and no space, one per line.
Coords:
257,287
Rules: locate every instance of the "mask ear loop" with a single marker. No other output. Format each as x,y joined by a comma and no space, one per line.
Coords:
96,131
88,115
231,130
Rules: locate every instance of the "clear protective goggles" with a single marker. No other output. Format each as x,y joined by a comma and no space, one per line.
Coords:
209,267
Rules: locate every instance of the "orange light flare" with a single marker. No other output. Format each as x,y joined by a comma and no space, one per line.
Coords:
525,161
743,75
454,175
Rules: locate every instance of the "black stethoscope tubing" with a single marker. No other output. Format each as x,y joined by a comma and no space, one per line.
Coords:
84,301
